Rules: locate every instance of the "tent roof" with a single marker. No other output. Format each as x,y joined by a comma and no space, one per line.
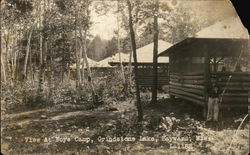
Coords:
103,63
145,53
92,63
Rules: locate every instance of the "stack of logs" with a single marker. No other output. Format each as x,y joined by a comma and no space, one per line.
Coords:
191,86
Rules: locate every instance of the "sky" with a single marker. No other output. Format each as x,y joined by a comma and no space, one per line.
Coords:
209,11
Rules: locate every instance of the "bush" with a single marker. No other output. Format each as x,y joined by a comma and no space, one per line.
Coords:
22,94
108,87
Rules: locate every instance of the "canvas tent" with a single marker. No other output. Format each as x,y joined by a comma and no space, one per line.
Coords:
92,63
144,54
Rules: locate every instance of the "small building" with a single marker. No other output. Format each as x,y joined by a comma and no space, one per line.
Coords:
98,68
194,61
145,64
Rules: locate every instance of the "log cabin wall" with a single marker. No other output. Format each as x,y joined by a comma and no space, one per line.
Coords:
145,73
187,77
236,86
194,60
145,76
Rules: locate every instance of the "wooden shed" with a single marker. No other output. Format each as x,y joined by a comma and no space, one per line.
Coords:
194,61
145,64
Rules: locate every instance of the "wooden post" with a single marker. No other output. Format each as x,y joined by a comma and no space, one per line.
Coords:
170,69
215,66
155,53
206,78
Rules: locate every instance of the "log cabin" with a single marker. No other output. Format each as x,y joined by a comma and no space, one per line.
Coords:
145,64
195,60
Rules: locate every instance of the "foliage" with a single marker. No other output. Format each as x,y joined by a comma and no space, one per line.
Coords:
23,96
96,49
108,88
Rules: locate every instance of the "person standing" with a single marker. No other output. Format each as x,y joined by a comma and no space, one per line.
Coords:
213,100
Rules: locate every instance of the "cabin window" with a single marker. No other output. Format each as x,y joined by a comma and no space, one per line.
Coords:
198,60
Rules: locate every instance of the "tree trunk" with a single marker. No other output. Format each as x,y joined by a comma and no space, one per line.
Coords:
78,58
27,56
118,45
40,75
31,68
51,77
7,66
94,95
3,73
81,64
41,70
155,54
41,54
132,37
130,69
15,57
83,44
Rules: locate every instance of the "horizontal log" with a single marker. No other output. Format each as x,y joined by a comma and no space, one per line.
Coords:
187,77
231,73
233,105
151,83
157,82
145,83
234,83
188,98
236,88
146,76
187,85
186,93
175,83
227,99
197,81
191,90
151,79
194,86
201,81
236,94
235,79
158,86
184,74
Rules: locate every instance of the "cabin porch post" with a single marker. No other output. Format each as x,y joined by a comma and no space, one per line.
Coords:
206,79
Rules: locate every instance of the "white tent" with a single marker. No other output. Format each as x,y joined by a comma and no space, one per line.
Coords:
145,53
115,58
103,63
92,63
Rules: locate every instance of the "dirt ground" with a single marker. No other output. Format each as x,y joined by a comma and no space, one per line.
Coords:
169,127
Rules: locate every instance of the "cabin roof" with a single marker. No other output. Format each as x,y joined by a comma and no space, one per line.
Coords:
219,47
223,39
231,27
